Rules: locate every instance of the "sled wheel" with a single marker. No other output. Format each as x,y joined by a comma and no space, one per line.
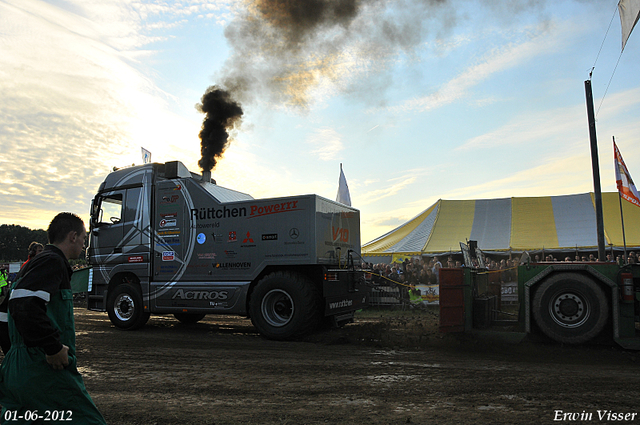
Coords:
570,308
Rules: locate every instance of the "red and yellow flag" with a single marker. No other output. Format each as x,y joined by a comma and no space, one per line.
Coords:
626,187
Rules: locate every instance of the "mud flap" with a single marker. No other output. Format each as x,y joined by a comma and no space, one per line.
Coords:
345,303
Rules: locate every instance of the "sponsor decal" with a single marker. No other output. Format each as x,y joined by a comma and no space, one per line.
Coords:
169,199
169,233
340,234
168,255
230,253
169,215
212,213
168,269
135,259
172,222
171,241
270,237
200,295
340,244
260,210
178,186
233,237
198,266
237,265
304,254
205,225
294,234
248,241
340,304
207,256
202,238
340,238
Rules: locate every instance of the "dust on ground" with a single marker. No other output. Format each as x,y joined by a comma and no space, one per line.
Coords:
389,367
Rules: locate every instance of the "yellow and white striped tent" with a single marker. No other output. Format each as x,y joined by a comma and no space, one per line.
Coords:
511,224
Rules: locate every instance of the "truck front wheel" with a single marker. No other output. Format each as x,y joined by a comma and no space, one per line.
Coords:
125,307
285,305
570,308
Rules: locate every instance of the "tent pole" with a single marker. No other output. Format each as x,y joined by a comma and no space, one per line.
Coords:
596,170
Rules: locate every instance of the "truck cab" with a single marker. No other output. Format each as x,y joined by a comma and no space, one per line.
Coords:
165,240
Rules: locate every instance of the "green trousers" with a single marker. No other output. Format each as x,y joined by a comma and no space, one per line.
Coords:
30,387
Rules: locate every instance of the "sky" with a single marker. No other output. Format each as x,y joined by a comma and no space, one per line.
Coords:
419,100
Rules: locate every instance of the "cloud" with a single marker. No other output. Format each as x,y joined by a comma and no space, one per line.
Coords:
74,104
385,190
540,40
327,142
561,175
530,129
551,126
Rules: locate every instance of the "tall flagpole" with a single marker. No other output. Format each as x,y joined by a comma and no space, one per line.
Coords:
596,170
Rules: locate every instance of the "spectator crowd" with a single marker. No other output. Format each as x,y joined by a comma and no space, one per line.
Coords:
424,271
418,271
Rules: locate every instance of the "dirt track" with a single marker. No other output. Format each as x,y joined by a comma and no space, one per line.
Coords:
375,371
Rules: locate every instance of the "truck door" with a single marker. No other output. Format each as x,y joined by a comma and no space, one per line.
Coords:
118,236
107,227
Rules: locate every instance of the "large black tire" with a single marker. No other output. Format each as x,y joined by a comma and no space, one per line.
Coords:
285,305
189,318
125,307
570,308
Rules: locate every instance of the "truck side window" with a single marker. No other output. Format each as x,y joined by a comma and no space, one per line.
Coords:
111,209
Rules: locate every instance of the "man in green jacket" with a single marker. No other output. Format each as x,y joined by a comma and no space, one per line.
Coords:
39,372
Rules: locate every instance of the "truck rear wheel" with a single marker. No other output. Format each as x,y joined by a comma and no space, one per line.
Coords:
125,307
285,305
570,308
189,318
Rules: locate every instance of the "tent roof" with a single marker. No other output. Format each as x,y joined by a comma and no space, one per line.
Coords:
517,224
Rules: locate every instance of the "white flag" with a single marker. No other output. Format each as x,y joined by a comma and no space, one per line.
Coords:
343,190
629,13
146,156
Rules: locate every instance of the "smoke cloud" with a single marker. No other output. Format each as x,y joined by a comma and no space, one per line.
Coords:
286,53
284,50
222,114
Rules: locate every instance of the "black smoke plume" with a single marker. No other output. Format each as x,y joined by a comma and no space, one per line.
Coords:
288,54
281,50
222,114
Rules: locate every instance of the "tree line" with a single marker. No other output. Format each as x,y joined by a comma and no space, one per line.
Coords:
15,240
